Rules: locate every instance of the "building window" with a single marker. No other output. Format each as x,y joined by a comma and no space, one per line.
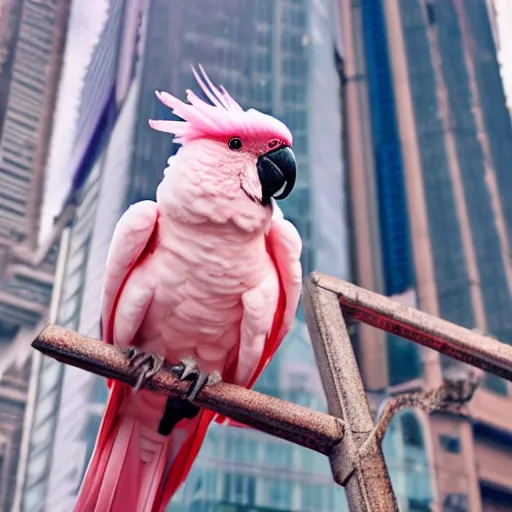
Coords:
226,488
313,497
240,448
456,502
277,494
450,444
406,458
278,455
251,490
418,506
404,361
411,430
239,488
495,384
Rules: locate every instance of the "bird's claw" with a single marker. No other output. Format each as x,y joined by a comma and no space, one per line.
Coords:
187,370
143,364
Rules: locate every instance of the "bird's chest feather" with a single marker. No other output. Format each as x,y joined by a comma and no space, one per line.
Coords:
201,275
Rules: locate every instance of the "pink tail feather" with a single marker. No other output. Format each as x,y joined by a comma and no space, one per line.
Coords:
117,480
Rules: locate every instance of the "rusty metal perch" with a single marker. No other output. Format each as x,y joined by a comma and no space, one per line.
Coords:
300,425
348,435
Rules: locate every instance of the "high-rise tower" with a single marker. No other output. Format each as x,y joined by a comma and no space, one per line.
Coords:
432,136
32,35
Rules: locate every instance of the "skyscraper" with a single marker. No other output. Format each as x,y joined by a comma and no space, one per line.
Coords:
32,36
31,44
46,440
430,152
281,57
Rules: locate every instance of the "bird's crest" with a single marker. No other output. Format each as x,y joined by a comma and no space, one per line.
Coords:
224,117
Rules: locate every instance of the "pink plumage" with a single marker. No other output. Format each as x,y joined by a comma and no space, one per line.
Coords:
224,118
210,271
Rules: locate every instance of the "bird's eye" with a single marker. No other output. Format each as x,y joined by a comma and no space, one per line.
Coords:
274,143
235,144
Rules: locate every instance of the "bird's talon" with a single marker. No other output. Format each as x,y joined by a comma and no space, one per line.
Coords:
187,370
144,365
196,386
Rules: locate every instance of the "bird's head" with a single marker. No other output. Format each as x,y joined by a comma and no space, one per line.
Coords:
243,153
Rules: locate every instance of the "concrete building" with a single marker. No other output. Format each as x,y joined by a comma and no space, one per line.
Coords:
280,56
32,36
430,146
44,440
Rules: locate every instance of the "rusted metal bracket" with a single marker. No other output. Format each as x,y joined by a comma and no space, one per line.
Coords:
295,423
363,474
357,462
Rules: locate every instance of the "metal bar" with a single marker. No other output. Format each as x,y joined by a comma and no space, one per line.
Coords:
294,423
362,472
452,340
451,396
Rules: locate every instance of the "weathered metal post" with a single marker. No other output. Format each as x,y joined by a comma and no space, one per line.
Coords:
362,473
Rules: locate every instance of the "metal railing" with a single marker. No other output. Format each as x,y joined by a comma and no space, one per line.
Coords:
348,434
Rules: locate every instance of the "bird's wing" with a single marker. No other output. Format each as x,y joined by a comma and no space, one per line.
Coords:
133,240
284,247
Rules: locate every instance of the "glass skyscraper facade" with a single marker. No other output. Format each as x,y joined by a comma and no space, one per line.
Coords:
436,134
452,53
281,57
464,142
264,54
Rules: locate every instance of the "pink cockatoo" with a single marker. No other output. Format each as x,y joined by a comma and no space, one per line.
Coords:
207,278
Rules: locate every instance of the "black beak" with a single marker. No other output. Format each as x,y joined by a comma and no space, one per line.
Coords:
277,171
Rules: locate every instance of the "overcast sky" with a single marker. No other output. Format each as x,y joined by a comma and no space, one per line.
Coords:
86,20
504,22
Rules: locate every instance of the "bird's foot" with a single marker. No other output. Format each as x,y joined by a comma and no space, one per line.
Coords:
187,370
143,364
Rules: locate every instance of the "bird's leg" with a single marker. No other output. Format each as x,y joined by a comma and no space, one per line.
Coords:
143,364
187,370
176,409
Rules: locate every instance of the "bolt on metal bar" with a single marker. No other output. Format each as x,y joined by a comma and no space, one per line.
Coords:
452,340
297,424
362,472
